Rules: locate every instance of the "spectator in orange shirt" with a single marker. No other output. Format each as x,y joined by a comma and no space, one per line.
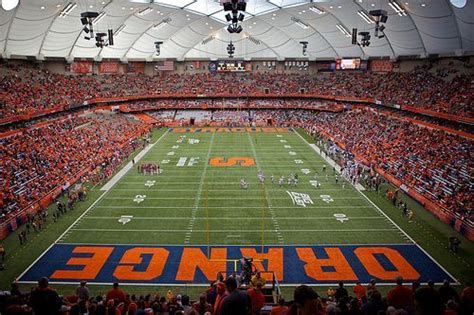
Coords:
257,299
281,309
221,294
359,290
400,296
116,293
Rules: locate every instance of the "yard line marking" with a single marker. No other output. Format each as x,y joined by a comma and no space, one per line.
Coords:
130,165
231,207
241,231
218,198
199,191
232,218
314,147
217,190
276,226
70,228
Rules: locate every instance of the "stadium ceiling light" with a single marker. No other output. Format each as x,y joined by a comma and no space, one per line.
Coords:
458,3
316,10
8,5
252,39
67,9
300,23
98,18
145,11
397,8
207,40
117,31
365,17
162,23
343,30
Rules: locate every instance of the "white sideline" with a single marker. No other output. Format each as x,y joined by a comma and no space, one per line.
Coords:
315,148
129,165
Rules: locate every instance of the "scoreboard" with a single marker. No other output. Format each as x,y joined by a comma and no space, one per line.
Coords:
348,64
231,66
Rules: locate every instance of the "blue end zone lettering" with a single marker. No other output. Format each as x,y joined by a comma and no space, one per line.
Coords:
314,265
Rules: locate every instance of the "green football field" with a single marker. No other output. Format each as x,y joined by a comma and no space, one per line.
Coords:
182,226
201,204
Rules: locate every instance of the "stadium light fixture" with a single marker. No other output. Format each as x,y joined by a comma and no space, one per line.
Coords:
252,39
231,49
157,47
458,3
365,17
304,46
316,10
117,31
397,8
67,9
207,40
300,23
162,23
343,30
98,18
145,11
9,5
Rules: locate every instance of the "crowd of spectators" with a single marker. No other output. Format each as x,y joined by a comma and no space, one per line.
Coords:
226,298
435,163
26,89
40,159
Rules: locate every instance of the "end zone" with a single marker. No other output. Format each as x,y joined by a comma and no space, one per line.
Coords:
228,129
185,265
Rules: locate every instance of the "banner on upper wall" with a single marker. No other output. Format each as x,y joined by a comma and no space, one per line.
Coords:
381,65
109,67
326,66
136,67
167,65
81,67
180,265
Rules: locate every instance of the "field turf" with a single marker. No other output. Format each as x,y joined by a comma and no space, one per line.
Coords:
196,201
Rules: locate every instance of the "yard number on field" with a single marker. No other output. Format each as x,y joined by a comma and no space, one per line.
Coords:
125,219
150,183
299,199
139,198
182,161
326,198
341,217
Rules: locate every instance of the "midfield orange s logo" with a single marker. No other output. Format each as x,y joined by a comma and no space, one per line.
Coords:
232,161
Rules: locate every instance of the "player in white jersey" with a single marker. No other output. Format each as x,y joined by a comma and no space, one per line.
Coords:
281,181
243,184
